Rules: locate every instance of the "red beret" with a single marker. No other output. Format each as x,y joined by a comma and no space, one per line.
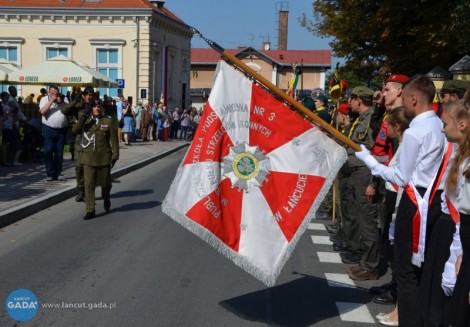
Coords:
344,108
403,79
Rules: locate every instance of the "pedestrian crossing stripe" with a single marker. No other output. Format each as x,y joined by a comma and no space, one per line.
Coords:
339,280
329,257
348,311
356,312
321,240
316,226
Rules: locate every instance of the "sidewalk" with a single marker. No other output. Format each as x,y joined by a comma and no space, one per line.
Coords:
24,189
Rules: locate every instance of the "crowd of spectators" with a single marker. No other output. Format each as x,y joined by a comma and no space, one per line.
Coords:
22,125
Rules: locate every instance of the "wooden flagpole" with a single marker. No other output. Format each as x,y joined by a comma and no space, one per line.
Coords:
240,64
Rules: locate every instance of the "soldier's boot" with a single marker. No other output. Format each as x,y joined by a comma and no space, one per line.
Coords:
89,215
107,204
81,195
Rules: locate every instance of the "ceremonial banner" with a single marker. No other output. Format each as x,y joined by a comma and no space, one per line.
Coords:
253,176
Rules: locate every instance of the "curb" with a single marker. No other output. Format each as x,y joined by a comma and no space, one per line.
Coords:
15,214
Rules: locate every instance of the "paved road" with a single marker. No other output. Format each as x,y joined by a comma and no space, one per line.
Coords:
26,191
155,273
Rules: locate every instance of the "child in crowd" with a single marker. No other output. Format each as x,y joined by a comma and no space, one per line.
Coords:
160,128
166,129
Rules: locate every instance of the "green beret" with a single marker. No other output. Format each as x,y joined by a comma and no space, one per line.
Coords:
322,98
363,92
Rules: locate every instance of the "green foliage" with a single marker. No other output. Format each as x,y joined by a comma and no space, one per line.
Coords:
411,36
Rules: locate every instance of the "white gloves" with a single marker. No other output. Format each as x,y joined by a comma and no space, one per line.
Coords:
366,157
362,155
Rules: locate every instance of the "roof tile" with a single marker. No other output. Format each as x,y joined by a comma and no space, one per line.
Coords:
307,57
76,4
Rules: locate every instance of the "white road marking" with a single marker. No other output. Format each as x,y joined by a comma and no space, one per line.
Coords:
339,280
331,257
316,226
356,312
321,240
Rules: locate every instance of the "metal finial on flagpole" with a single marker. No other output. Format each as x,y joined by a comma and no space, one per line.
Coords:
266,83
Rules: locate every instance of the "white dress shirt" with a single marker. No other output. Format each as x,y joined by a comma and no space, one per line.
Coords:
421,154
462,202
54,118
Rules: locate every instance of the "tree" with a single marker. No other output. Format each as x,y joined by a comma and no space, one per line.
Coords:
409,36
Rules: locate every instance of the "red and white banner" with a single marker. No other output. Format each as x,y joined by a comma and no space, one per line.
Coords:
253,176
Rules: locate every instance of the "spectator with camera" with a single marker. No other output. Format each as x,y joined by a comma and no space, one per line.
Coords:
54,130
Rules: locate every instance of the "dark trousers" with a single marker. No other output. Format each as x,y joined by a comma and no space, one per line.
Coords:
54,141
365,214
388,250
175,126
407,275
184,132
154,131
145,130
103,174
349,227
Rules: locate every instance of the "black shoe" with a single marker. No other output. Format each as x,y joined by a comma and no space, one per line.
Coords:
377,290
322,216
89,215
81,195
384,298
335,238
332,229
339,247
351,258
107,205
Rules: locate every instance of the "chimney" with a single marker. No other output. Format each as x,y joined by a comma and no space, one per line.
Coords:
158,3
283,23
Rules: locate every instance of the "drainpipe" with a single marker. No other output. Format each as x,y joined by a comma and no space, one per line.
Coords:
137,62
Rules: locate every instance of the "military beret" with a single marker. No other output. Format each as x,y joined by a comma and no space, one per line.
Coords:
344,108
96,102
455,86
363,92
88,90
397,78
322,98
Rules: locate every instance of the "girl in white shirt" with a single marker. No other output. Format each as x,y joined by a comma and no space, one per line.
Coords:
457,188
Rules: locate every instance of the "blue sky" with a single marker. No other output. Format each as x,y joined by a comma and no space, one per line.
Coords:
247,23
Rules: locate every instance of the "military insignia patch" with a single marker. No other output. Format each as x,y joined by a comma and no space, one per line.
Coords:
382,135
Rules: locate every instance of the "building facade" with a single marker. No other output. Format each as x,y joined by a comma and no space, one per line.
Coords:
138,41
276,66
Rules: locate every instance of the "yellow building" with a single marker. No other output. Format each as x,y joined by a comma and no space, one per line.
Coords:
138,41
461,69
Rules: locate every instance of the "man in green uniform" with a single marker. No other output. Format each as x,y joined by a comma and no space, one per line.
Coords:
363,211
72,111
99,141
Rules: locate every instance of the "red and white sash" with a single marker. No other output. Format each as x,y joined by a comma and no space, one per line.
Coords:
422,204
454,213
